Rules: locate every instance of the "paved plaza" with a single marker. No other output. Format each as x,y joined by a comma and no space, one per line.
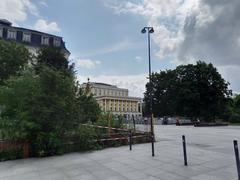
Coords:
210,157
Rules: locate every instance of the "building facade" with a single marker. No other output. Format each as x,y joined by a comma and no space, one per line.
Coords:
31,39
115,100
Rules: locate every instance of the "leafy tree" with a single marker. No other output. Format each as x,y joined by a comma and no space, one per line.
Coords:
88,107
13,58
42,104
196,91
39,108
53,57
233,111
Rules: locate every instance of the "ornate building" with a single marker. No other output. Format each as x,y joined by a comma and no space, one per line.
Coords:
115,100
31,39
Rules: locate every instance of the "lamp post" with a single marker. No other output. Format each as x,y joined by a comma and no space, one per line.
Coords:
150,30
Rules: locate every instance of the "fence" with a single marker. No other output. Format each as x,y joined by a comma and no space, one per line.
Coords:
13,150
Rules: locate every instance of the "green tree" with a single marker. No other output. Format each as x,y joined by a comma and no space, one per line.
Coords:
41,105
196,91
13,58
39,108
88,107
53,57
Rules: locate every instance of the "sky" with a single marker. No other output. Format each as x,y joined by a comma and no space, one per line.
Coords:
106,43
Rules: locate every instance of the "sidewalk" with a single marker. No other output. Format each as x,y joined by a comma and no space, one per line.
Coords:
210,157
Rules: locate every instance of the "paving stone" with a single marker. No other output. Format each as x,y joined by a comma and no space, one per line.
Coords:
209,149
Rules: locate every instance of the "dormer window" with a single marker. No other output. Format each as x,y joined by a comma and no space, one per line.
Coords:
57,42
45,40
1,32
12,34
26,37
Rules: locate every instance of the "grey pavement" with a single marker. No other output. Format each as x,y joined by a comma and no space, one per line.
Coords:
210,157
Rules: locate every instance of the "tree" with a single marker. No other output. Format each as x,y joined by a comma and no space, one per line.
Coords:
196,91
42,105
13,58
53,57
89,109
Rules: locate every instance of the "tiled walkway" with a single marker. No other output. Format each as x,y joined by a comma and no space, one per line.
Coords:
210,155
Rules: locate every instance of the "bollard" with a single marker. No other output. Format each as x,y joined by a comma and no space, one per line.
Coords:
184,150
130,140
235,145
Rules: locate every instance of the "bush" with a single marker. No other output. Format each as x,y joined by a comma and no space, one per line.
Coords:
84,138
47,144
234,118
11,154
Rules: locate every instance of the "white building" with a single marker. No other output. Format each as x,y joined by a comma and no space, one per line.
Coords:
115,100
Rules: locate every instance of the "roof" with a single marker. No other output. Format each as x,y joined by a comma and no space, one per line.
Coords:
9,24
119,98
5,22
104,84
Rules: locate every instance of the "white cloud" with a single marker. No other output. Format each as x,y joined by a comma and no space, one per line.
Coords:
43,3
17,10
134,83
231,74
87,63
43,25
166,16
191,30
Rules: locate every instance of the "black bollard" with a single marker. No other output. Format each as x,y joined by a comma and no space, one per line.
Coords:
130,140
184,150
235,145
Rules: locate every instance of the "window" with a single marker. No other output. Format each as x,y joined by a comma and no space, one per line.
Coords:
26,37
12,34
1,32
45,40
57,42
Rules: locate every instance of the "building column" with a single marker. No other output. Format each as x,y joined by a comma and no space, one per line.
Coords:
105,105
141,108
114,101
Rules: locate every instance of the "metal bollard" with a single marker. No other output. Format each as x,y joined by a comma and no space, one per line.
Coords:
130,140
184,150
235,145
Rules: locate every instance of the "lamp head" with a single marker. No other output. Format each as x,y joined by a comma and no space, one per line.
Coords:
143,30
151,30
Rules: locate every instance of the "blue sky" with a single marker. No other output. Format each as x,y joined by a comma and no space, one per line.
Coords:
104,36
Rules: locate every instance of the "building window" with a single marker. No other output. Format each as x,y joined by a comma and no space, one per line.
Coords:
57,42
26,37
12,34
1,32
45,40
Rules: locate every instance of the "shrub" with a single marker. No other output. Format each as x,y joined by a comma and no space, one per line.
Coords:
84,138
47,144
234,118
11,154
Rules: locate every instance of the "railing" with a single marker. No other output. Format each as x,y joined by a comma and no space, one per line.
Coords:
6,146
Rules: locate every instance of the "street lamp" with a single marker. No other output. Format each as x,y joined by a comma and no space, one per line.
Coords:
150,30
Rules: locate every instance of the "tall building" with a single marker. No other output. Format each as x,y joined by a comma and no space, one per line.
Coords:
115,100
31,39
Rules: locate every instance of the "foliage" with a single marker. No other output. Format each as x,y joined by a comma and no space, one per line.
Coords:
234,110
52,57
88,107
196,91
43,103
35,106
11,154
84,137
13,58
47,144
108,119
